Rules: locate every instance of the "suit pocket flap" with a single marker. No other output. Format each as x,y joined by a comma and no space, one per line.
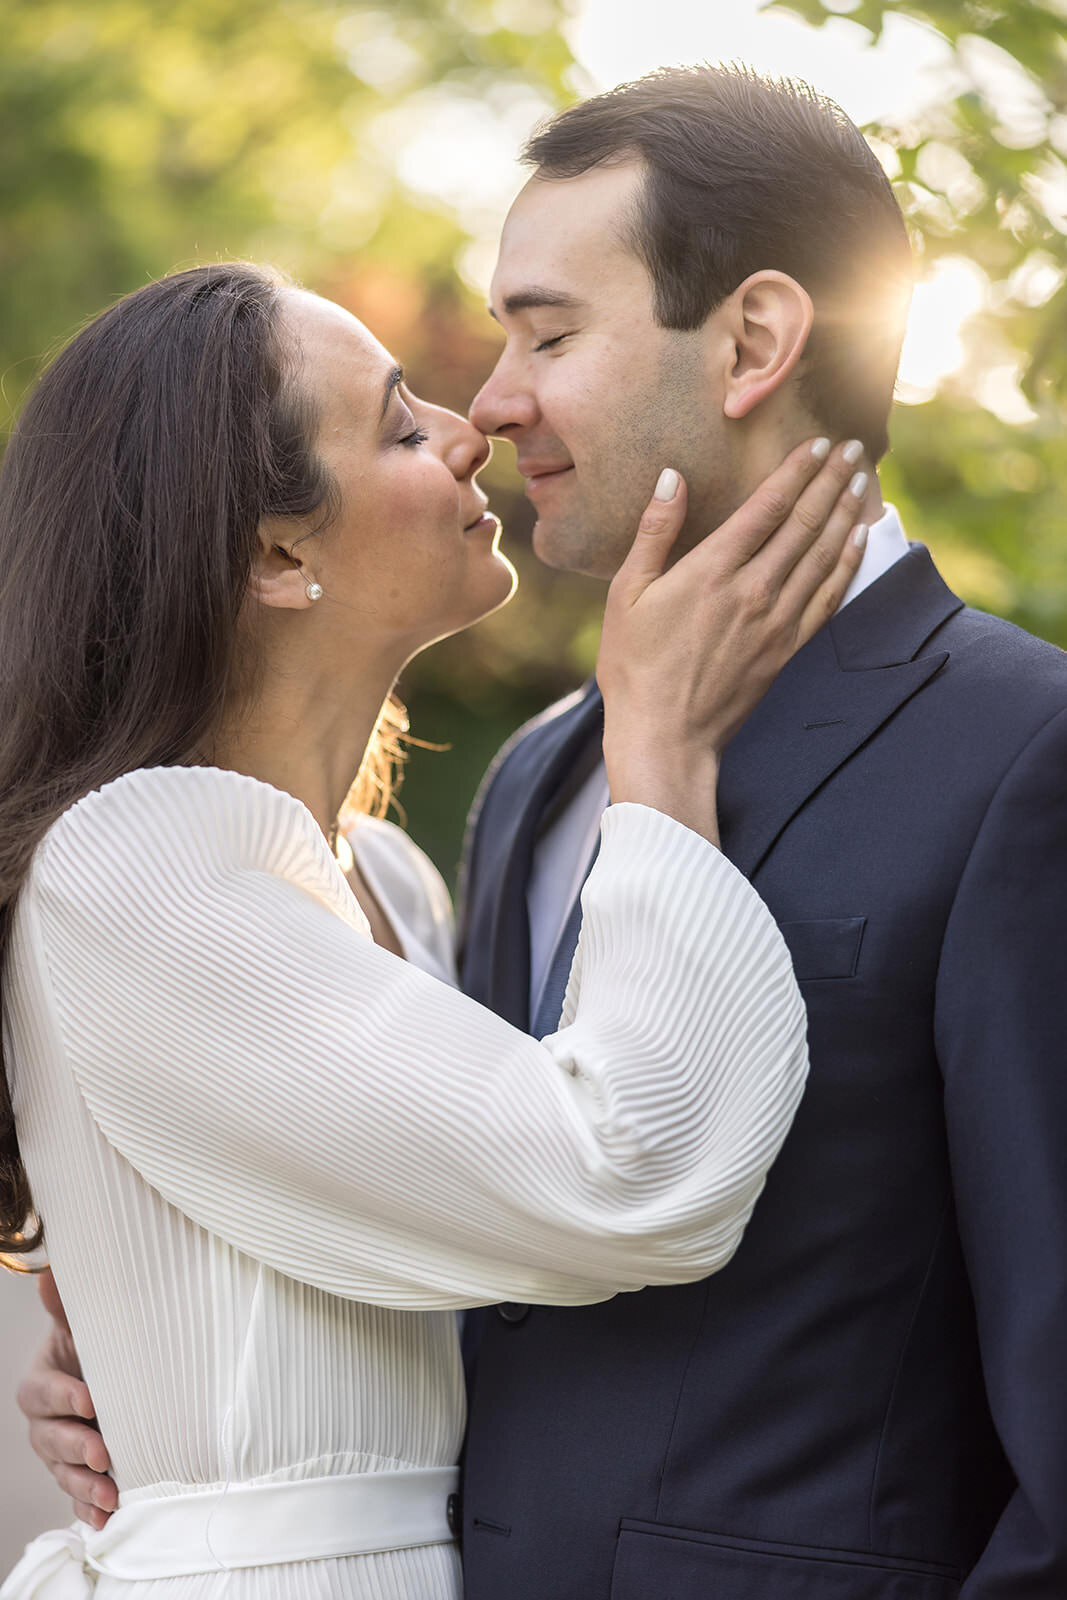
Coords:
651,1559
826,948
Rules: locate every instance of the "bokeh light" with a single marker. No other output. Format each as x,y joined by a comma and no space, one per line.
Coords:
944,301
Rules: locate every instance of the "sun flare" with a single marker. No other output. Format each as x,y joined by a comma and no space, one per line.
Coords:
954,290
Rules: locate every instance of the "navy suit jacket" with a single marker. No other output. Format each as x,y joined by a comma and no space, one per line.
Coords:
870,1401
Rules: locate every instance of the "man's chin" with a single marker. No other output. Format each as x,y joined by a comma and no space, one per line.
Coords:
550,546
567,548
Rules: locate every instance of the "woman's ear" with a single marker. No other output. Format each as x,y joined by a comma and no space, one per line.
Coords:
770,318
278,577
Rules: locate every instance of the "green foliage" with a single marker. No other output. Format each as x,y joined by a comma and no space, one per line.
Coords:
978,176
982,175
137,138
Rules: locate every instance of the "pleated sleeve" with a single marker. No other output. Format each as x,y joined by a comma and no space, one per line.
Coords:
354,1123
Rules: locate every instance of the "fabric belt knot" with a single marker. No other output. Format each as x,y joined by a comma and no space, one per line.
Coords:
53,1567
245,1525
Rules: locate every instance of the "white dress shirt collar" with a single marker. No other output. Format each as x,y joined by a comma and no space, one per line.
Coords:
886,543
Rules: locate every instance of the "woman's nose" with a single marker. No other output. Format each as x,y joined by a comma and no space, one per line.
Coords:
468,450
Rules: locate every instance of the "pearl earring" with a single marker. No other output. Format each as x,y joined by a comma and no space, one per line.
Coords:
313,591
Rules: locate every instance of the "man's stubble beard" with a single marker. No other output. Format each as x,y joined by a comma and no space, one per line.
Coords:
672,423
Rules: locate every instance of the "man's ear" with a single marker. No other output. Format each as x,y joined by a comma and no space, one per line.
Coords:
769,319
277,578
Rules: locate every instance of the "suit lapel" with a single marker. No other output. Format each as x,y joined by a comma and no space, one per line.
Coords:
831,698
835,693
542,764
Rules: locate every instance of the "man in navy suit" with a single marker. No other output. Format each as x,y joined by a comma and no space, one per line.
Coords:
870,1401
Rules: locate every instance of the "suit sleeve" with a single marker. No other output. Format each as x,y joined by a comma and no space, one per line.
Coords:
352,1122
1002,1042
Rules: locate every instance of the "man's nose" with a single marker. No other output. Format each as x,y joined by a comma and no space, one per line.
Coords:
503,403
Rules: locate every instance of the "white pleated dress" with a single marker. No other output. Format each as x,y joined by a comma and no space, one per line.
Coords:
273,1159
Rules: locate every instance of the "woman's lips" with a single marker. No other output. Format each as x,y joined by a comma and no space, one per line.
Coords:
486,523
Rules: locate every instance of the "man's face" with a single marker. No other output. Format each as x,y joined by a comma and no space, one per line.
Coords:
595,396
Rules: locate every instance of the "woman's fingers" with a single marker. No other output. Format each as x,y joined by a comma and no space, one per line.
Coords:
804,530
775,503
86,1489
686,653
78,1460
65,1442
780,520
47,1392
832,559
49,1296
90,1491
659,527
95,1518
828,596
74,1453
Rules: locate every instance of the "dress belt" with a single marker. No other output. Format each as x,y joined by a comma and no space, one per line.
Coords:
245,1525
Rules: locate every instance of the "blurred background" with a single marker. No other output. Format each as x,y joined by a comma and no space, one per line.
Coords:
369,149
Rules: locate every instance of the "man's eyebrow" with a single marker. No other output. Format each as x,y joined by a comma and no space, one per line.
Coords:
395,377
529,299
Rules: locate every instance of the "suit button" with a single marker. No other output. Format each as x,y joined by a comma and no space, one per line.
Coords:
454,1515
512,1311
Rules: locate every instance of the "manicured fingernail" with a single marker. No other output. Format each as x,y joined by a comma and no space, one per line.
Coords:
859,535
79,1405
858,486
821,449
852,452
667,485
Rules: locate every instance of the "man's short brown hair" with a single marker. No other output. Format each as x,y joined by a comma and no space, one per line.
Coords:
746,173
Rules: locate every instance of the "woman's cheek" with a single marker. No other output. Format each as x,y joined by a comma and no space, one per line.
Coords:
424,495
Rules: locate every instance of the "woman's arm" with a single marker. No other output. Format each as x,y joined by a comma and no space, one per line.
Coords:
343,1117
347,1119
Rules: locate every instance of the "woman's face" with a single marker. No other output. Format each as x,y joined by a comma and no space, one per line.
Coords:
412,554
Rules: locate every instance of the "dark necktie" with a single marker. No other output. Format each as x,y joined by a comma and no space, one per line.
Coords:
555,987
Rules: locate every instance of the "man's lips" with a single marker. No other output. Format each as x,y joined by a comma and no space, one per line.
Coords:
536,473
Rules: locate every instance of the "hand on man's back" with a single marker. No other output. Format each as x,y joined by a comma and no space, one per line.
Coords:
60,1411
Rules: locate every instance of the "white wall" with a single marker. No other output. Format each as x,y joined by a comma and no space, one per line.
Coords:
29,1501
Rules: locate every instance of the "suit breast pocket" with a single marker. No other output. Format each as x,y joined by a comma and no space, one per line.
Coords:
828,947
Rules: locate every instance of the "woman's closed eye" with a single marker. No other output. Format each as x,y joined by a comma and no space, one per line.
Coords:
416,437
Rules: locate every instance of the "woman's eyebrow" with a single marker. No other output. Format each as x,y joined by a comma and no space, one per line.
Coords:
395,377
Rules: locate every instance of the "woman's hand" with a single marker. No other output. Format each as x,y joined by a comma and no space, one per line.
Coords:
57,1404
688,650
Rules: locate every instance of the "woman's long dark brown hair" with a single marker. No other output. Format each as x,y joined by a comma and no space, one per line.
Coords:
130,497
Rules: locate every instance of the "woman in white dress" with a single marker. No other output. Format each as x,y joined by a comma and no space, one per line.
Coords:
273,1158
